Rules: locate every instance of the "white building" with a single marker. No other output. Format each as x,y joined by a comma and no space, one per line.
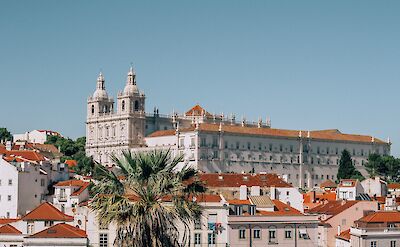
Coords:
374,187
69,194
23,186
215,143
35,136
349,189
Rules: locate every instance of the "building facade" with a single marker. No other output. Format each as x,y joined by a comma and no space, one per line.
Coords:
216,143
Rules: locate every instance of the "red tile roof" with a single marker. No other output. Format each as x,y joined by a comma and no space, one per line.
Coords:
71,163
197,110
8,220
394,186
239,202
74,183
325,196
328,184
381,217
47,211
348,183
345,235
236,180
330,135
8,229
60,230
280,209
332,208
29,155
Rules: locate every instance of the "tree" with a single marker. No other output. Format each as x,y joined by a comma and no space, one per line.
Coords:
373,166
5,135
385,166
346,168
135,201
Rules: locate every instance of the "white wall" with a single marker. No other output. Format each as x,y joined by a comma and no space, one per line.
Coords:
8,171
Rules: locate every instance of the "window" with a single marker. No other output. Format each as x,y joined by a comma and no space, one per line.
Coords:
272,235
203,141
31,228
238,210
373,244
92,109
8,215
10,182
136,105
242,233
197,224
103,240
257,233
270,147
9,198
42,182
248,145
48,223
123,105
291,148
211,239
288,233
215,154
318,150
280,148
237,145
197,239
393,243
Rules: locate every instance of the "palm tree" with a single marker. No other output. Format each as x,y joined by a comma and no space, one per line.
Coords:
149,200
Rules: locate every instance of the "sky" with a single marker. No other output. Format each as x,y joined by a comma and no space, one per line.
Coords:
306,64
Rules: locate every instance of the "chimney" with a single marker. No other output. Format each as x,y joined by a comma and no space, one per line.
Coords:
338,230
243,192
272,193
8,145
313,196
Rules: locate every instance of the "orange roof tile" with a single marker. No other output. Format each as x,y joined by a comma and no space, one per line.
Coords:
239,202
74,183
47,211
236,180
26,154
8,229
348,182
281,209
330,135
7,221
328,184
60,230
332,207
197,110
71,163
394,186
345,235
381,217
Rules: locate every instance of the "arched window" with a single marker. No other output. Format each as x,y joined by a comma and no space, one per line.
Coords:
136,105
123,105
92,109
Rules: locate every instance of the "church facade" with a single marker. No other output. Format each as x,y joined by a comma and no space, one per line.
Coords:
216,143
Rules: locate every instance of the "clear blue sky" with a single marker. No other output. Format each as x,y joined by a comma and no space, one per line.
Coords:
307,64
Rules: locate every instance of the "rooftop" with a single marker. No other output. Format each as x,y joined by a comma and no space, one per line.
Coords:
47,211
74,183
281,209
381,217
8,229
60,230
345,235
236,180
332,208
330,135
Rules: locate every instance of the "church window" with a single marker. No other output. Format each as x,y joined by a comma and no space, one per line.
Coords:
92,109
123,105
136,105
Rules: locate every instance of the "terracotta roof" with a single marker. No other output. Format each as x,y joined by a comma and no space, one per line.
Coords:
74,183
348,183
8,229
197,110
71,163
239,202
281,209
328,184
345,235
60,230
331,135
324,196
236,180
394,186
332,208
7,221
46,211
381,217
26,154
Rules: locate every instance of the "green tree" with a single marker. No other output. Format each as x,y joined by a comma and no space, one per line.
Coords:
373,166
135,201
385,166
346,168
5,135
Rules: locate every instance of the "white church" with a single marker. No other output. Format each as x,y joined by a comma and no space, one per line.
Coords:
217,143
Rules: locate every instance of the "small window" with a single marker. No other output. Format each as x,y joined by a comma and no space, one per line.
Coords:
211,239
197,224
103,240
9,198
123,105
136,105
288,233
92,109
272,235
197,239
242,234
10,182
373,244
257,233
393,243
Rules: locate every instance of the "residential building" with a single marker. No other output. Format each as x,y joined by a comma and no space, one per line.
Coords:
35,136
338,216
376,229
23,186
374,186
69,194
260,222
349,189
394,189
216,143
10,236
343,239
240,186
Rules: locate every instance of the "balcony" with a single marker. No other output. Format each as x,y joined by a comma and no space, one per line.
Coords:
382,231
